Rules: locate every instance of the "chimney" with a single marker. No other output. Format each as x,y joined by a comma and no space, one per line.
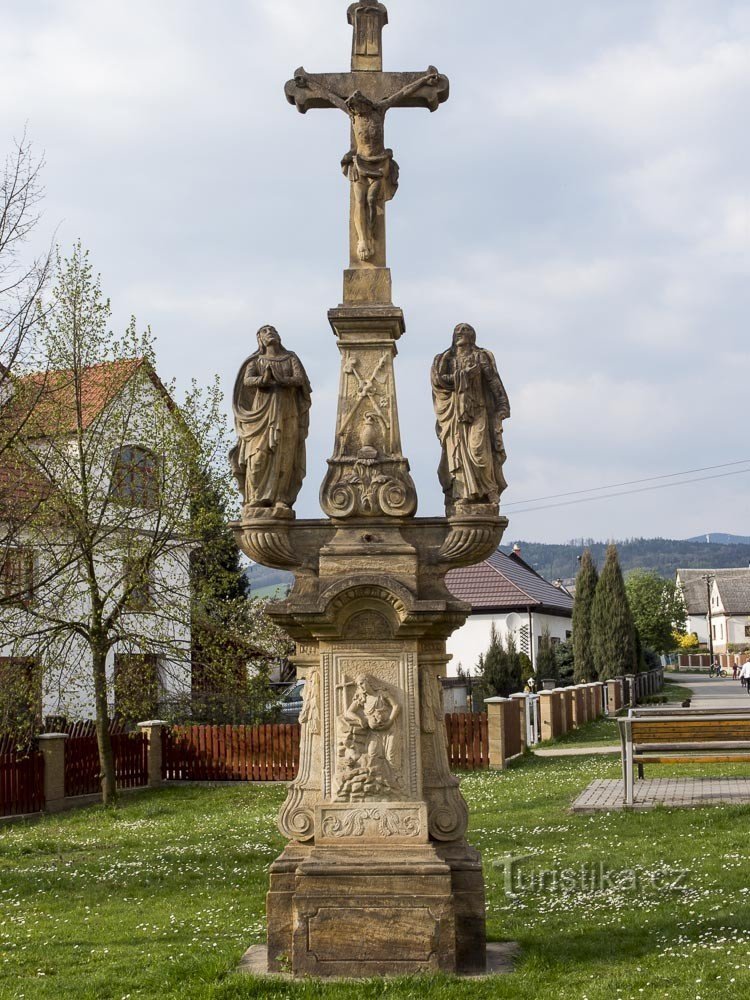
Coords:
517,550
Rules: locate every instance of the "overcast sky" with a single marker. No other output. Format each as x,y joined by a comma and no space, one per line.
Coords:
582,200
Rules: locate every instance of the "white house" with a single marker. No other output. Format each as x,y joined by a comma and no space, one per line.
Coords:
721,597
506,591
128,419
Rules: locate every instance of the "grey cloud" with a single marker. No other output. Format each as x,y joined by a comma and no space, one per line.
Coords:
581,199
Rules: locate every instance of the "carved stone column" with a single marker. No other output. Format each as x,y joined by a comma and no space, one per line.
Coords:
368,475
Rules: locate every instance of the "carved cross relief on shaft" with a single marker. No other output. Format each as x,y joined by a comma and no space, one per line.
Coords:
365,95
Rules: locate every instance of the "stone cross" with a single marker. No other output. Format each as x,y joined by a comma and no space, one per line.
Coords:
365,95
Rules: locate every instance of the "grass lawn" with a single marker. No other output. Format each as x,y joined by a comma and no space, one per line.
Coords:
160,898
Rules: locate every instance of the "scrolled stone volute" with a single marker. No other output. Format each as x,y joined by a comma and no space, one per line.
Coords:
470,405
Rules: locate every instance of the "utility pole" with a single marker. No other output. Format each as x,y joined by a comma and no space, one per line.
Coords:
709,580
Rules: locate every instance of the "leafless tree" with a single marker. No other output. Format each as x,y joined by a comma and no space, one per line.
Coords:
21,278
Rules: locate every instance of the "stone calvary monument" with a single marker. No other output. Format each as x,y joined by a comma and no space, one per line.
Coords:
377,877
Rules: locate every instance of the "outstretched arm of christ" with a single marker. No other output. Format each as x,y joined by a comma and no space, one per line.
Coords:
303,81
431,79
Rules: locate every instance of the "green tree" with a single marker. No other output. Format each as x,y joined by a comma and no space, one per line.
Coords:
658,609
502,669
127,473
234,641
565,659
546,661
613,638
584,670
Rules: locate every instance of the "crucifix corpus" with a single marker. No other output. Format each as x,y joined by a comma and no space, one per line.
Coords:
365,95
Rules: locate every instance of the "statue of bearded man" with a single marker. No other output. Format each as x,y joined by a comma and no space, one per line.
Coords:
271,404
470,405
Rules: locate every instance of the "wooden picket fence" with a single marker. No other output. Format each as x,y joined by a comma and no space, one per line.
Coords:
468,742
230,753
82,771
271,752
21,783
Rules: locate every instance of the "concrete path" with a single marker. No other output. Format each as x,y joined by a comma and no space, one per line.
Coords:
576,751
712,692
606,794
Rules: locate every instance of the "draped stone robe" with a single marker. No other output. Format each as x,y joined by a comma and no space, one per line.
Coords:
272,420
470,405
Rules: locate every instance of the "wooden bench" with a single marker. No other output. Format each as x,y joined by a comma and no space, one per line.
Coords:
681,737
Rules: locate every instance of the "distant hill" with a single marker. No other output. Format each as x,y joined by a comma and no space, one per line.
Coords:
719,538
560,562
266,582
663,555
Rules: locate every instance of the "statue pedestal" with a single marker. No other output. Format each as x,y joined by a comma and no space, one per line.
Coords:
370,910
377,878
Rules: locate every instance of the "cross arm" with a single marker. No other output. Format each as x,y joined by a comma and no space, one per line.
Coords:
390,90
429,90
313,90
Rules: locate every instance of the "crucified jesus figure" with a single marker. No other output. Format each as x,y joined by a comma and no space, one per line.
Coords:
369,165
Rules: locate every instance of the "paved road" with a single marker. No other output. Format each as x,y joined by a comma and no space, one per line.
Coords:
710,692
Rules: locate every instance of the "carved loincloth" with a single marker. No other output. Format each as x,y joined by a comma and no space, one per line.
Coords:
359,168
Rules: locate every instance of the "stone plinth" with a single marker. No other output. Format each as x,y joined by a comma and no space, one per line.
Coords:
375,819
550,704
153,732
52,745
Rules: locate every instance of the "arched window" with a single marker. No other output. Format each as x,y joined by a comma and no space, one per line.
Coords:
134,476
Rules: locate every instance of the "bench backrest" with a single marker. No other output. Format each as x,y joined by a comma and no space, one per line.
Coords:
671,710
690,729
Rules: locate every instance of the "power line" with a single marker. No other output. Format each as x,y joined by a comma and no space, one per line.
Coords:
631,482
625,493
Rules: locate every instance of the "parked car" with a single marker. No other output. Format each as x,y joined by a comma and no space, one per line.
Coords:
290,704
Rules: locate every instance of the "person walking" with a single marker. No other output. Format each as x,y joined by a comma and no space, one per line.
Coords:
745,676
735,670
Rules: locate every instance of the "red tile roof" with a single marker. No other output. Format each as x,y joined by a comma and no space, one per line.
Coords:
44,403
49,398
504,584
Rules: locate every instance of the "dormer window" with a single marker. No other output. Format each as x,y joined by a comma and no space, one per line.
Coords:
134,476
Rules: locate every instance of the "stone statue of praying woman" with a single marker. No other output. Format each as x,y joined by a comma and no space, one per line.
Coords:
470,405
271,405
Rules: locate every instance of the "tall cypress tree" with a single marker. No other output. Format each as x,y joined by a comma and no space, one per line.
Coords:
546,661
583,670
612,630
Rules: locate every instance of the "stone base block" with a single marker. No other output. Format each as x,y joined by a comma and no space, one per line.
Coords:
501,960
357,912
363,286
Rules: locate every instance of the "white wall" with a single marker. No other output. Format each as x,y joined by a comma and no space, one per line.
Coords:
67,685
699,625
736,628
472,639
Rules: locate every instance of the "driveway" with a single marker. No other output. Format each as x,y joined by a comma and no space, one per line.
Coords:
712,692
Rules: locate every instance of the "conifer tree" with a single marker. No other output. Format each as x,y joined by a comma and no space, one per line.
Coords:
546,661
613,639
501,668
584,671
